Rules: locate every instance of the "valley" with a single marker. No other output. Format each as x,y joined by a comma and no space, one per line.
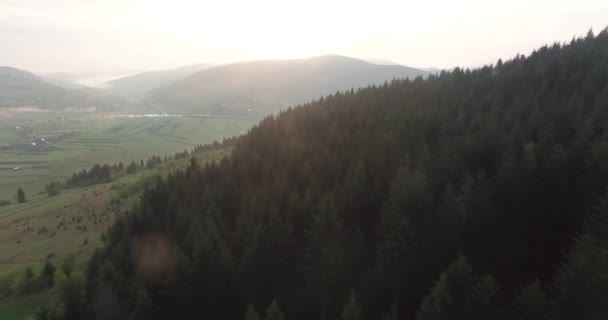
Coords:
35,152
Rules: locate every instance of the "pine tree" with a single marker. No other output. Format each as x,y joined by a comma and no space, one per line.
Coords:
450,297
29,273
351,310
325,255
401,220
392,314
582,282
48,271
144,310
68,264
274,312
251,314
531,303
20,195
486,300
72,297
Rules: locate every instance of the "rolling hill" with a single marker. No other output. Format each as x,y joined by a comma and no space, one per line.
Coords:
262,87
139,84
19,88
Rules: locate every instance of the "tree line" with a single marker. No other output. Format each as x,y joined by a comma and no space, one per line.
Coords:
99,173
105,173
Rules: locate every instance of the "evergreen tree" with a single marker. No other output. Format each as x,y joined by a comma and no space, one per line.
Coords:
251,314
531,303
392,314
582,281
351,310
29,273
68,264
20,195
323,271
144,310
449,298
48,271
274,312
72,297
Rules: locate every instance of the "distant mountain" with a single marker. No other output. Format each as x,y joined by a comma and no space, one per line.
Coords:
6,71
139,84
19,88
262,87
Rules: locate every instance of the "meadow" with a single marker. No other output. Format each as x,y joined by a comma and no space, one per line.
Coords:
35,152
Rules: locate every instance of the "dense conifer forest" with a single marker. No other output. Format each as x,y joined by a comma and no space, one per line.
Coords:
473,194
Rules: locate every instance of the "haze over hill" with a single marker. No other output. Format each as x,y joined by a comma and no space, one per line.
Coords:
19,88
138,84
94,79
251,87
265,86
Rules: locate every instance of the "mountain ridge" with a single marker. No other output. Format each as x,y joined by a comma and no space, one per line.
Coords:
266,86
141,83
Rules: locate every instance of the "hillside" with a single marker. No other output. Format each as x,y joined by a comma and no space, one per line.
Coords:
139,84
474,194
262,87
67,226
19,88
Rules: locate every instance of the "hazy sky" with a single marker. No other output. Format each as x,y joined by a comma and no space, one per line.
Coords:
122,35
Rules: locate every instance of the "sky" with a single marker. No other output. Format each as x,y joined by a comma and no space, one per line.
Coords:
125,36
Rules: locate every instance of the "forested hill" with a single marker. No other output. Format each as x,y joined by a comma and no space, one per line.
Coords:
469,195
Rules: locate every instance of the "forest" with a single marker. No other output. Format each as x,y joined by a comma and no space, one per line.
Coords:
472,194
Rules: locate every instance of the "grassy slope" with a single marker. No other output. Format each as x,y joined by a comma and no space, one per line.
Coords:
81,143
22,244
23,307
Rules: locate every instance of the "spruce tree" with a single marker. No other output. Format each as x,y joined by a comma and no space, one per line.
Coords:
251,314
274,312
325,255
450,297
20,195
531,303
144,310
48,271
351,310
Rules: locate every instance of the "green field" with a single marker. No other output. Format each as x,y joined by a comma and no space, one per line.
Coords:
74,144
